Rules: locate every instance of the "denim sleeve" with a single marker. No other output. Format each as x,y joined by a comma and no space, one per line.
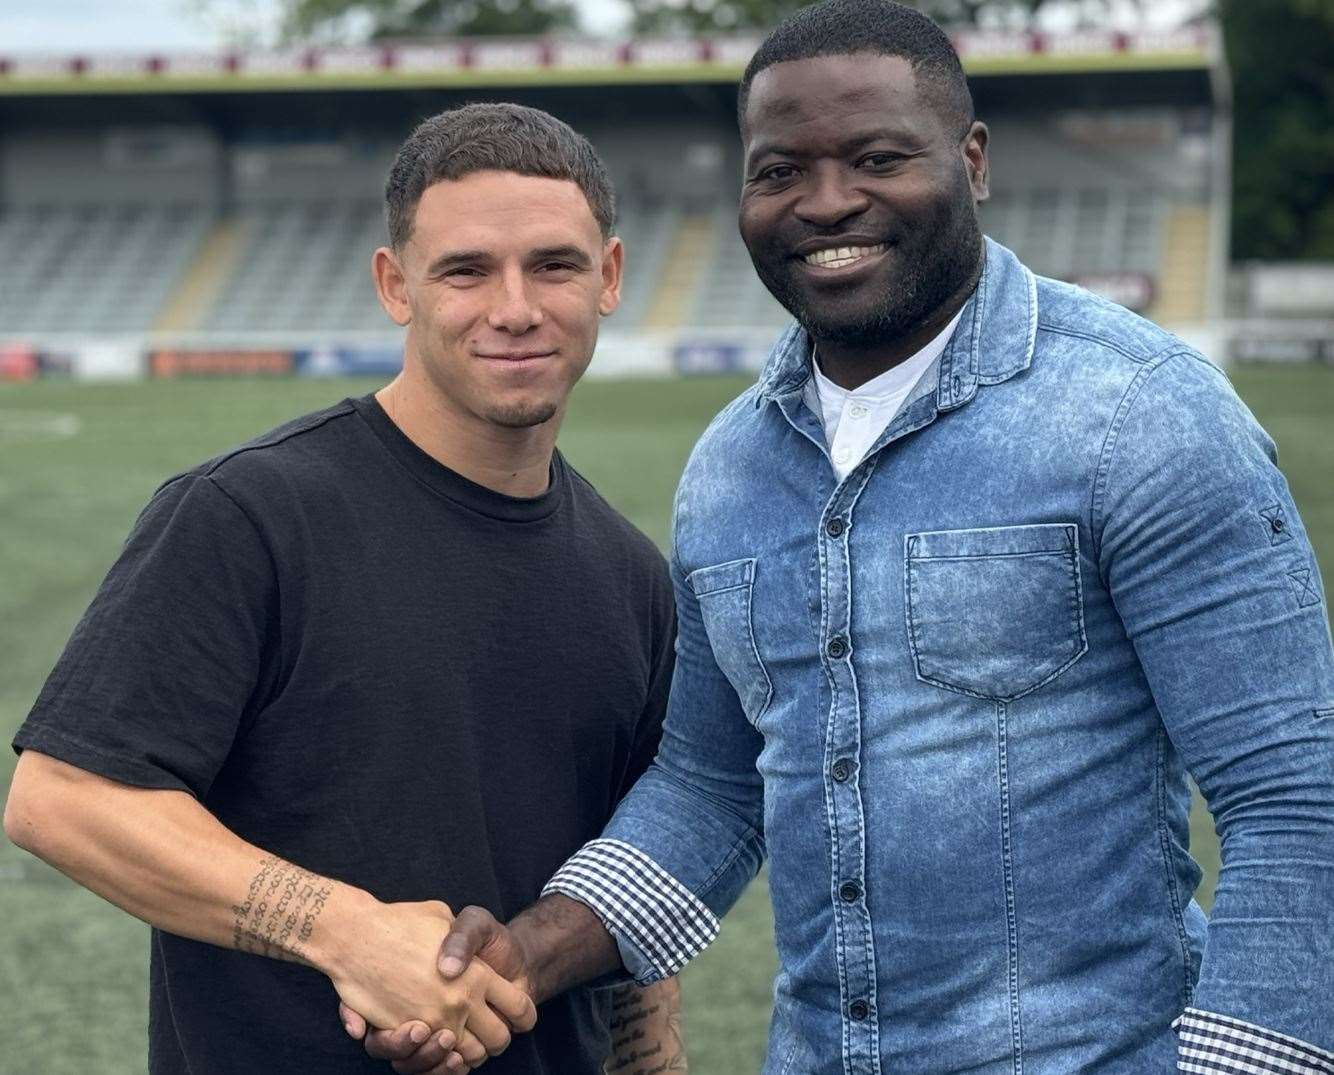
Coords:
1211,571
688,837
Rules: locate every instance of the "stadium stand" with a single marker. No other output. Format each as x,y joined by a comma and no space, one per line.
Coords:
729,292
239,212
303,266
648,231
92,269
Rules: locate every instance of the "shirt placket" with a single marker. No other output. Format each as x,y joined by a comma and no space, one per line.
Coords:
850,441
842,785
842,772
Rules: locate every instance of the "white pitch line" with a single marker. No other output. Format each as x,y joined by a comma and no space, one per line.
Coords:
38,425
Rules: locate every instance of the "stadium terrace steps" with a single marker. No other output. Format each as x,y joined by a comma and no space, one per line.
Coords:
1069,232
732,296
92,269
647,232
302,266
192,299
692,251
1182,281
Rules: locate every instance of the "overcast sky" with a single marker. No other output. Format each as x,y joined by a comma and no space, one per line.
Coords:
145,25
65,26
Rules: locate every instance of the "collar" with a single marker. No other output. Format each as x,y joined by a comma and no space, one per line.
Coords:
896,381
993,340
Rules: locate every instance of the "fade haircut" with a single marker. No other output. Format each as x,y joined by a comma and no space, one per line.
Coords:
493,138
842,27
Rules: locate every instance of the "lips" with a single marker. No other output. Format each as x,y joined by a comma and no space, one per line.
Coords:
517,356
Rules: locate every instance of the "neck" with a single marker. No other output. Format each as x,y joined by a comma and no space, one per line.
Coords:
850,366
515,462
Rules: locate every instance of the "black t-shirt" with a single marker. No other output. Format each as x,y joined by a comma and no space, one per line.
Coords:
363,662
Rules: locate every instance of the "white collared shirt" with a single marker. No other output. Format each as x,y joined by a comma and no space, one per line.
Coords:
854,420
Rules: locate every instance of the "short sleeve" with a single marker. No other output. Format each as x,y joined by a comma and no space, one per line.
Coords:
162,668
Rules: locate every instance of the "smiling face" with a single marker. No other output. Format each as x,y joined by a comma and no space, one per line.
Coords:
859,203
501,284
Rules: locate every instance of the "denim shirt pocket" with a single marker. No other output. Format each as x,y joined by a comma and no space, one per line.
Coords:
995,612
724,595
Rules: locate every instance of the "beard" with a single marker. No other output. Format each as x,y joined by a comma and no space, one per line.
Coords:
930,264
522,415
508,414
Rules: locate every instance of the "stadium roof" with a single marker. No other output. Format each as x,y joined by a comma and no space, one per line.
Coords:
572,62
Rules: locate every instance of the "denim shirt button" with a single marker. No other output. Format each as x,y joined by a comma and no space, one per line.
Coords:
1276,525
841,770
859,1009
835,526
836,648
849,891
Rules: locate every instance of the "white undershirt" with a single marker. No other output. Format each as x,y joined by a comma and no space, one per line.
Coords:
853,421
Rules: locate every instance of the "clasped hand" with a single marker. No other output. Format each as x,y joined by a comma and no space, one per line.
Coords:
391,977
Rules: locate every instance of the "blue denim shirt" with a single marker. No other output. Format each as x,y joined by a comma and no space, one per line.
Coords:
956,696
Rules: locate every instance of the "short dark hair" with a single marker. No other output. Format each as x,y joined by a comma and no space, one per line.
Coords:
493,138
841,27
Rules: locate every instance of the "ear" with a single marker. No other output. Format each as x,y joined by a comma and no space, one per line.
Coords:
391,285
975,160
613,263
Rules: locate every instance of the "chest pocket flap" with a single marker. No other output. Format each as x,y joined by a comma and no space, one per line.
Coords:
995,612
724,594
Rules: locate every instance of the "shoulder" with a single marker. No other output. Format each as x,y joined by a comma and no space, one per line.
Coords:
1182,433
1070,316
287,444
1187,404
732,431
192,520
1117,362
296,452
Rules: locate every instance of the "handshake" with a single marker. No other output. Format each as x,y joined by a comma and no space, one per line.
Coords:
411,988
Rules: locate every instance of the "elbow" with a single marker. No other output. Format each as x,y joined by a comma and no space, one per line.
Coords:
32,813
19,825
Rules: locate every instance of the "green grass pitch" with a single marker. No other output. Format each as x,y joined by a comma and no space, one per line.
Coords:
76,464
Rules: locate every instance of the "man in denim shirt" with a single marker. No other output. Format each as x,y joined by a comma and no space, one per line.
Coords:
952,682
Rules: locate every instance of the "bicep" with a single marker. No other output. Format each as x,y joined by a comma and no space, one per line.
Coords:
708,743
1223,607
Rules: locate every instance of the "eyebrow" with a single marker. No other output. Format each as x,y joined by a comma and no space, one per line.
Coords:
564,252
452,259
855,142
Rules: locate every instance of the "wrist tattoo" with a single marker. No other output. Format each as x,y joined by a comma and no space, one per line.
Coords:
278,914
646,1031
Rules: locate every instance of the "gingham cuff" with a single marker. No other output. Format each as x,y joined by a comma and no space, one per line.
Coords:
1210,1044
639,902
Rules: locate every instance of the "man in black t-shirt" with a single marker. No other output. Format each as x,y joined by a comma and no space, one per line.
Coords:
391,657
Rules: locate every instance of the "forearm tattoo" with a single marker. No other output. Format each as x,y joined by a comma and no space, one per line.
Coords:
646,1031
278,914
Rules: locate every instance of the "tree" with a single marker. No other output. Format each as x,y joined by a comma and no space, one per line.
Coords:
1282,58
243,22
704,16
453,18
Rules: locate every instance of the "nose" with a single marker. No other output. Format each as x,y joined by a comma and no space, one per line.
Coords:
514,310
830,198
